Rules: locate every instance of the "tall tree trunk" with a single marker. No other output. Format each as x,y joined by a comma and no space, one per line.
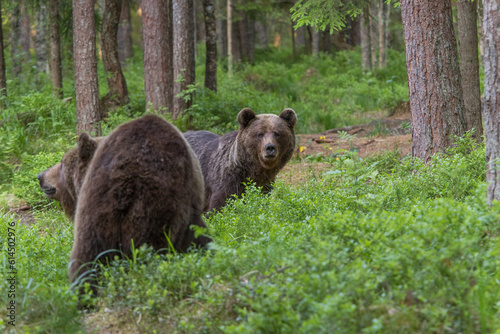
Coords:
250,26
25,35
157,35
3,78
125,44
381,34
436,103
42,64
85,62
15,40
365,42
386,34
315,42
308,39
55,48
300,39
243,36
236,41
184,62
211,45
294,48
491,96
221,30
469,65
229,39
373,38
118,92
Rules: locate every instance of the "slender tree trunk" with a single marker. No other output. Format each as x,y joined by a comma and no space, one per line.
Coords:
184,62
491,96
25,35
469,65
243,36
386,34
42,64
229,39
365,42
158,54
236,41
85,62
250,24
373,38
308,39
211,45
15,40
118,92
3,77
315,42
294,48
221,30
381,34
436,103
55,48
125,44
300,40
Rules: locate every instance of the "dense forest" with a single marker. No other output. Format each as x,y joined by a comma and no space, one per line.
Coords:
386,218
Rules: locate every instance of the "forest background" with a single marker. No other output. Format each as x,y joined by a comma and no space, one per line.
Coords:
381,244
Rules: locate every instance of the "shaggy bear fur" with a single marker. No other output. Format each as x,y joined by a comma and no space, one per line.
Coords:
143,183
258,150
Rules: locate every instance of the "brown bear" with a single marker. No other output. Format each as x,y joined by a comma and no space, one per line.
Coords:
258,150
142,183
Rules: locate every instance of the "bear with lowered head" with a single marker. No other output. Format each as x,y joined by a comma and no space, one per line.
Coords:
140,184
258,150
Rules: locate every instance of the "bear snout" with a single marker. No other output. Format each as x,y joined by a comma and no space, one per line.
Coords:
48,189
270,150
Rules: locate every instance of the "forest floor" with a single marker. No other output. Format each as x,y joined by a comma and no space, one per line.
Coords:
383,133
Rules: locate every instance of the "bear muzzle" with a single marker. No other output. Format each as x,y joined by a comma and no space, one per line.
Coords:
49,190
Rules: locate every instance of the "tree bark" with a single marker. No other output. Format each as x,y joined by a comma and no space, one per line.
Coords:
315,42
42,65
386,33
229,39
184,62
158,55
381,34
469,65
221,30
373,38
85,63
118,92
3,78
25,35
55,48
211,45
436,103
125,43
15,40
365,42
491,95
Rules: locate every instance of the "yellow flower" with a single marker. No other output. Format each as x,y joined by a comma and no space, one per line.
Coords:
302,148
330,148
322,137
337,158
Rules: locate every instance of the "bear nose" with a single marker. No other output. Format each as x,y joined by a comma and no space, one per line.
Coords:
40,176
270,149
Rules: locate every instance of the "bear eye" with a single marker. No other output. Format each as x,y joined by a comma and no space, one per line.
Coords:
277,134
260,135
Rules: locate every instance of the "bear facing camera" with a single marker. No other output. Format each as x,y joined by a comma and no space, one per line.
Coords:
142,183
258,150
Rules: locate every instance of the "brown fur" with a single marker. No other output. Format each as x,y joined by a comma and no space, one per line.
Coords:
259,150
143,183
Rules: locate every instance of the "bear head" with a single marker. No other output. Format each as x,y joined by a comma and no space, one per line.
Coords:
63,181
269,138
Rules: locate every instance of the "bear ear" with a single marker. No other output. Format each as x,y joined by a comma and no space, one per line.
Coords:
86,147
245,116
289,116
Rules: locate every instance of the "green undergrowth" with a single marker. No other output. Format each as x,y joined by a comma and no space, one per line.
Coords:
380,245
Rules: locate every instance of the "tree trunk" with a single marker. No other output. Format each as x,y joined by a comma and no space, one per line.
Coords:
85,63
386,33
436,103
308,39
315,42
184,62
15,40
125,44
55,48
221,30
211,45
25,35
373,38
158,54
42,64
381,33
469,65
300,39
365,43
491,96
229,39
3,78
294,48
250,25
236,41
118,92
